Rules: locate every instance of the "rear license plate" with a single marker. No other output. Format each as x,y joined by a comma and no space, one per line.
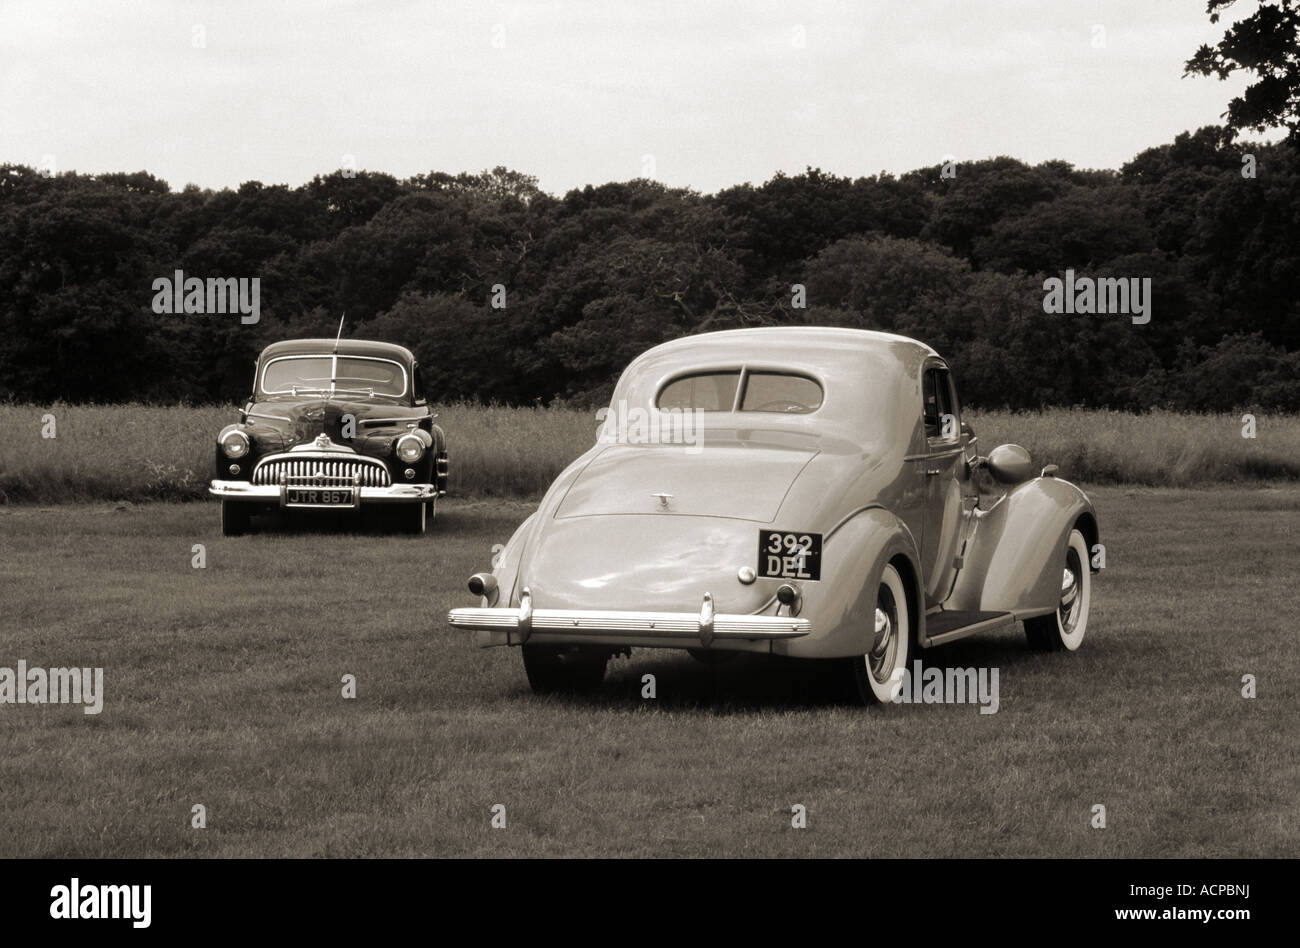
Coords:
317,497
786,555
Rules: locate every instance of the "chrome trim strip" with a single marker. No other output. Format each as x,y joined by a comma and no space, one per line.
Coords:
986,625
957,449
1022,614
333,453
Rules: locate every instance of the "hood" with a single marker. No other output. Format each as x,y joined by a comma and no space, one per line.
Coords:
284,423
741,480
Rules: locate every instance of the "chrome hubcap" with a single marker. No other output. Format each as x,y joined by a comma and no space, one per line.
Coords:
1070,579
885,645
1069,587
882,629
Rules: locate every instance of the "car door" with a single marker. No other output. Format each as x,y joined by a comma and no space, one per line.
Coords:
945,472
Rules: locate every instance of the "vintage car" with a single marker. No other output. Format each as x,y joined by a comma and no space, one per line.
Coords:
332,425
819,500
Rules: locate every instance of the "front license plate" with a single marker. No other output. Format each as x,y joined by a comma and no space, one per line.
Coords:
786,555
316,497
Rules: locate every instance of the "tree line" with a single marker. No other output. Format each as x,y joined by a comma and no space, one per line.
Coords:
510,294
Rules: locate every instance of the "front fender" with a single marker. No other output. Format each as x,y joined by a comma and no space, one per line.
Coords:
1016,550
842,604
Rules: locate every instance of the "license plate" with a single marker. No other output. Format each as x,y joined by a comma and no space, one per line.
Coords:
317,497
789,555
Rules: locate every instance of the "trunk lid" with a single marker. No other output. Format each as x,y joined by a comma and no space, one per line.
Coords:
735,480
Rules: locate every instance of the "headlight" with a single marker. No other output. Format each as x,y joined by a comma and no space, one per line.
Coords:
234,444
410,448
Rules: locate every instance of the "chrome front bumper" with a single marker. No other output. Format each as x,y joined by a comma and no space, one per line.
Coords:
277,494
703,627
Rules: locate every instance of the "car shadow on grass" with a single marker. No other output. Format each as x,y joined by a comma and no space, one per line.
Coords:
382,521
369,523
738,682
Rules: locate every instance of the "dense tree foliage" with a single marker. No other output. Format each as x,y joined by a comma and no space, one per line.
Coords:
510,294
1265,45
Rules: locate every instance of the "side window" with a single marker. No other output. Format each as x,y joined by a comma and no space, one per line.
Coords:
418,393
954,405
930,393
940,406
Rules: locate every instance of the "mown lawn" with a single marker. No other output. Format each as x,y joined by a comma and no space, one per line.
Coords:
223,688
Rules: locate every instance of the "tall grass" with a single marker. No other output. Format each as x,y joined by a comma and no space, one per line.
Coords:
1159,448
142,452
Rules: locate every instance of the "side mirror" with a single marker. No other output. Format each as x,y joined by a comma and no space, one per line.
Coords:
1009,464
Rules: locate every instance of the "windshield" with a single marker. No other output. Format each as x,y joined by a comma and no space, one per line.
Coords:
763,391
356,374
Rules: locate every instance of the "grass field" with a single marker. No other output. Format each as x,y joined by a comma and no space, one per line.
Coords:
223,688
140,452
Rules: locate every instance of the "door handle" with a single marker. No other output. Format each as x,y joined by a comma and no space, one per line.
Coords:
929,472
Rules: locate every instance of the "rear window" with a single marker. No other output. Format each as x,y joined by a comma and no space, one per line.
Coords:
712,391
776,391
763,391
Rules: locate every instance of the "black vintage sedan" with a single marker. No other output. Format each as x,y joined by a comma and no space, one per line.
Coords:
332,424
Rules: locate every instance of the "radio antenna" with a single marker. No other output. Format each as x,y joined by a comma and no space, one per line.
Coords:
334,356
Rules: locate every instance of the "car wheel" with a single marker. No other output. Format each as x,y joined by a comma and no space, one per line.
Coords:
235,518
1064,628
564,668
874,677
415,518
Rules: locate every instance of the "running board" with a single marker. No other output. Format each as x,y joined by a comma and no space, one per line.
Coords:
947,626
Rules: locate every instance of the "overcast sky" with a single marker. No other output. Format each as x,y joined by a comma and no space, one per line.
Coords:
699,94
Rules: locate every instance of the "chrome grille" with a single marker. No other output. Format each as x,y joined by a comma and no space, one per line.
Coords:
309,471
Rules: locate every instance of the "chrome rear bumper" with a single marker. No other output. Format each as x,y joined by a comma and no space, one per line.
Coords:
276,494
705,626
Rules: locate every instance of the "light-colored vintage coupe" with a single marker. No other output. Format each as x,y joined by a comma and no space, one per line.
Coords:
807,492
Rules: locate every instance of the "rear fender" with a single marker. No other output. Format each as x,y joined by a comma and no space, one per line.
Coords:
506,561
842,605
1016,550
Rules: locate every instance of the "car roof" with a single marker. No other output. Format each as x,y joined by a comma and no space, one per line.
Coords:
857,368
353,347
823,345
